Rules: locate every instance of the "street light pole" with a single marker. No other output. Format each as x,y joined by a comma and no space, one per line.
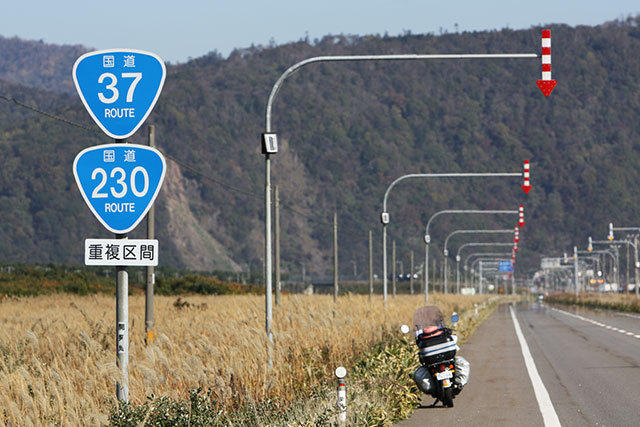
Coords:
479,254
427,236
446,252
635,248
385,216
295,67
575,268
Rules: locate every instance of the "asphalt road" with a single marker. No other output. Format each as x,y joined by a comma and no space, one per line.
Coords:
589,363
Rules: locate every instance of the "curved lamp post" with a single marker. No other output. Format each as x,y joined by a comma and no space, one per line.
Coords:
269,139
446,254
385,219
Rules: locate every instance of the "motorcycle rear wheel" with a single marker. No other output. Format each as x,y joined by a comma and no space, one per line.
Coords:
447,397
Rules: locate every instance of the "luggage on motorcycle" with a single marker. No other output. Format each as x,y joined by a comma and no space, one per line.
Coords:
435,341
461,377
437,348
424,380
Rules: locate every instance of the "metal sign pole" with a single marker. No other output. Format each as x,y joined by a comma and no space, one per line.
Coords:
393,269
370,265
411,275
149,320
277,239
122,323
335,256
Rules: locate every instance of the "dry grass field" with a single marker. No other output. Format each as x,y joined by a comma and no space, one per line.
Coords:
57,358
606,301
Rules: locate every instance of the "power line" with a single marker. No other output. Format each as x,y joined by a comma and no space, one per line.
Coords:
44,113
229,187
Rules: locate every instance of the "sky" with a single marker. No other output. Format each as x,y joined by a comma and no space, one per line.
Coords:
178,30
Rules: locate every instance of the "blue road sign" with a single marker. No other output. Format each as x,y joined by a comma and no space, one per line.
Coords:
119,88
119,182
505,266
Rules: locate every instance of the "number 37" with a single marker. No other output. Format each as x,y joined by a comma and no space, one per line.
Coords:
111,86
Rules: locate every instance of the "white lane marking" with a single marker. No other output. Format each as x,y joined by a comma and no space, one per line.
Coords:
602,325
628,315
549,415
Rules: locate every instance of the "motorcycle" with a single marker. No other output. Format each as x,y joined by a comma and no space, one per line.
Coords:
441,374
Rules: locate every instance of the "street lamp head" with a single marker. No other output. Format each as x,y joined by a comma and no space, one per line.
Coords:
384,218
610,236
269,143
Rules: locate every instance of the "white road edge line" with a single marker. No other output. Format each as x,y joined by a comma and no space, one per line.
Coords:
586,319
547,410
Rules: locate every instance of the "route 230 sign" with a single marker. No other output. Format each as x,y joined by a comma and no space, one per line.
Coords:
119,182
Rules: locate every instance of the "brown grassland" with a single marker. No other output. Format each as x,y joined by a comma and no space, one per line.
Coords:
605,301
57,361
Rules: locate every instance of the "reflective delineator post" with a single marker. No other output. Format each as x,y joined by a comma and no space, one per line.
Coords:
546,85
526,174
341,372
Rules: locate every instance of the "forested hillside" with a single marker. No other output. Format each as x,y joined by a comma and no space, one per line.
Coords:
346,132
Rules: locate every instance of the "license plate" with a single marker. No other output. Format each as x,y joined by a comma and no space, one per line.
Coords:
444,375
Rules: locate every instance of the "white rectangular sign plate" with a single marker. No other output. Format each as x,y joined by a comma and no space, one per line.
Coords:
548,263
121,252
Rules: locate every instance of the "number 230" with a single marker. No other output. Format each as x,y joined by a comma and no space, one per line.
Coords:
121,182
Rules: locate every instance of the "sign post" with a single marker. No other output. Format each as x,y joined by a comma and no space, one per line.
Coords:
119,182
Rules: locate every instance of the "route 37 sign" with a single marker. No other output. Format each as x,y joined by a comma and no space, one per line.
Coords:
119,182
119,88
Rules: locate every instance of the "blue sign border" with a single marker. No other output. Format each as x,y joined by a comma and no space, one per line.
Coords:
86,105
88,202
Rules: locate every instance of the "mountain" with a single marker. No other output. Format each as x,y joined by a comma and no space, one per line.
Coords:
37,64
346,131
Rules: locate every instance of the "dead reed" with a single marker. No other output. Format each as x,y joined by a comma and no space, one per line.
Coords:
57,361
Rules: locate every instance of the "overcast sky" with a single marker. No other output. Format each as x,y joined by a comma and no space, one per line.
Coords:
177,30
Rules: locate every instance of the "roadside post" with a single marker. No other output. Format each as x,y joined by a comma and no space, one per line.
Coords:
120,181
341,372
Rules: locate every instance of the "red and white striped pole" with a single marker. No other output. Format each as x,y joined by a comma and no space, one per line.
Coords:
546,85
526,174
516,232
521,216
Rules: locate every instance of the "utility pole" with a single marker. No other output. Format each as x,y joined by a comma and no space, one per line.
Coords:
277,239
393,269
627,283
149,320
635,242
335,256
370,265
411,275
575,268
